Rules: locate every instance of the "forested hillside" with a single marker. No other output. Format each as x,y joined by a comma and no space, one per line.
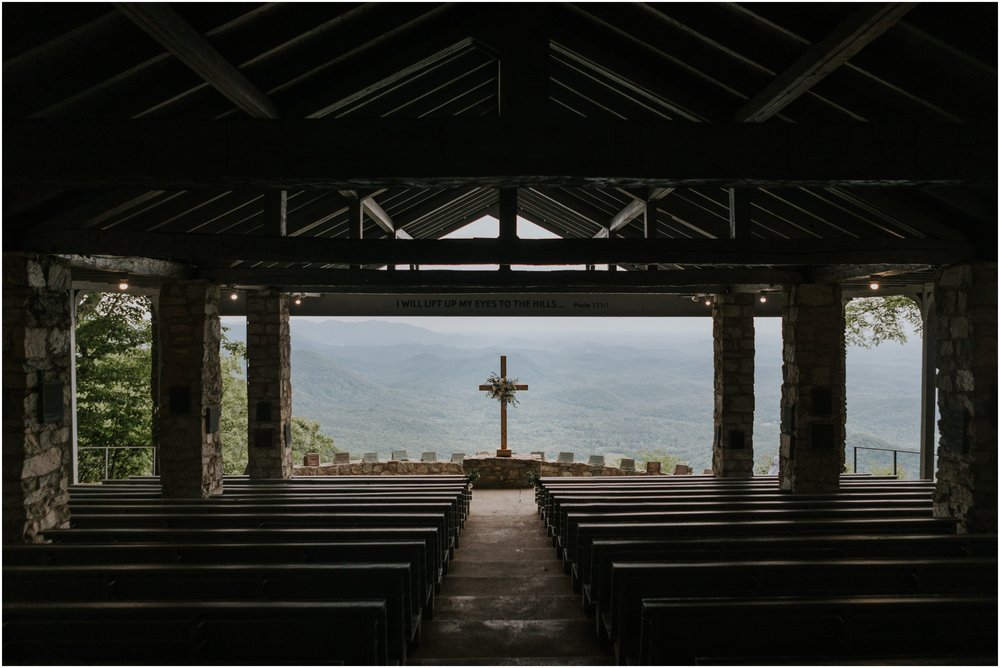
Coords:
379,386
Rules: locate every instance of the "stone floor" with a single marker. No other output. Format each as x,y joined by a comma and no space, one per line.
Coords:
505,600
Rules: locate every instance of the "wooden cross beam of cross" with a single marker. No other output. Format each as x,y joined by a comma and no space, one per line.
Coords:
503,451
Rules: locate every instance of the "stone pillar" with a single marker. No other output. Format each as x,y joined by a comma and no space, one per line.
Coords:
813,396
965,298
190,394
269,385
37,421
733,333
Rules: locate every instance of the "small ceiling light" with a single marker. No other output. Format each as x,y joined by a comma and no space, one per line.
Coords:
708,301
873,283
123,283
695,298
233,295
298,300
763,298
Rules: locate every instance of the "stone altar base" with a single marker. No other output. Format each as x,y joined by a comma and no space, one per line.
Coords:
512,471
380,468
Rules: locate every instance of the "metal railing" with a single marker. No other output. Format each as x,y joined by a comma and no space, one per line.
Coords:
894,452
107,454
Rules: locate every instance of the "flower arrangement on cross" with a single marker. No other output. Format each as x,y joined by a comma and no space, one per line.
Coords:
502,389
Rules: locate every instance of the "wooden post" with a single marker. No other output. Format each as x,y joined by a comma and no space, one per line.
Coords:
503,414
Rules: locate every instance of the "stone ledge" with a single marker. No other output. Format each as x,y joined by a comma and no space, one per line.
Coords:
512,472
380,468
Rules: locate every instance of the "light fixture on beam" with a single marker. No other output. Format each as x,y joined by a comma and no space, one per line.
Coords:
763,298
233,295
297,300
708,300
123,283
873,283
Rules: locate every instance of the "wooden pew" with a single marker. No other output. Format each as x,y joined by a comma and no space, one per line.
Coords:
195,633
409,552
302,511
271,536
785,527
624,493
839,629
727,503
596,573
733,517
631,582
231,582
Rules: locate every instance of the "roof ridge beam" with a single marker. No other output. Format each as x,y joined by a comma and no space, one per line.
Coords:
177,36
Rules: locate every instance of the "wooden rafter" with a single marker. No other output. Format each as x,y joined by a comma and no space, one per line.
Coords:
175,35
859,29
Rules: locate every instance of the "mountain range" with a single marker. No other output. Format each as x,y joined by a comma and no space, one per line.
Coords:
378,386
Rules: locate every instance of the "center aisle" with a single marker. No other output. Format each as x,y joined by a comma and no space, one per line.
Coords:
505,599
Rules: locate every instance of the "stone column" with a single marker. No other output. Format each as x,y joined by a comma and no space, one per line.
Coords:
733,333
269,385
37,422
813,397
190,389
965,298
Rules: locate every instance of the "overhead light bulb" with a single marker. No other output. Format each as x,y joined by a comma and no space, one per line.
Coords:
873,283
233,295
298,300
708,301
763,298
123,283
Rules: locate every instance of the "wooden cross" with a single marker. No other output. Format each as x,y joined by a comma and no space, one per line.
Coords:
503,451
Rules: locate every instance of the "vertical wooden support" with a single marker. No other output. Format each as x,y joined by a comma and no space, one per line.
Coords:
355,222
508,217
503,406
739,213
276,213
649,224
74,301
928,388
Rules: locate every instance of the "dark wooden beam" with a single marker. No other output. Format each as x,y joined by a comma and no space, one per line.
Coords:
489,152
276,213
342,280
519,35
508,217
175,35
853,272
218,247
862,27
739,213
131,266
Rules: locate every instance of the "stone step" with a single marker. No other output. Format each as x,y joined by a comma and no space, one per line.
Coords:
504,639
502,585
498,565
516,661
510,537
564,606
472,552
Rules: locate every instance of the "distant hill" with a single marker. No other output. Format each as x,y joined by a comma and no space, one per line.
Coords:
377,386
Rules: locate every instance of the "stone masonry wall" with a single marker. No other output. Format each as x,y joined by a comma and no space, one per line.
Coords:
269,385
733,335
37,419
380,468
965,298
190,389
813,397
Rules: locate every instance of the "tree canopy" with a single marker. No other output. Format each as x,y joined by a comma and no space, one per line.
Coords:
874,320
114,397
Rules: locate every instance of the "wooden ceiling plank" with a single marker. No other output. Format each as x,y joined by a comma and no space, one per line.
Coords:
858,30
178,37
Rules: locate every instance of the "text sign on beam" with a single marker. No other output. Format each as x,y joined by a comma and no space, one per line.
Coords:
494,304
